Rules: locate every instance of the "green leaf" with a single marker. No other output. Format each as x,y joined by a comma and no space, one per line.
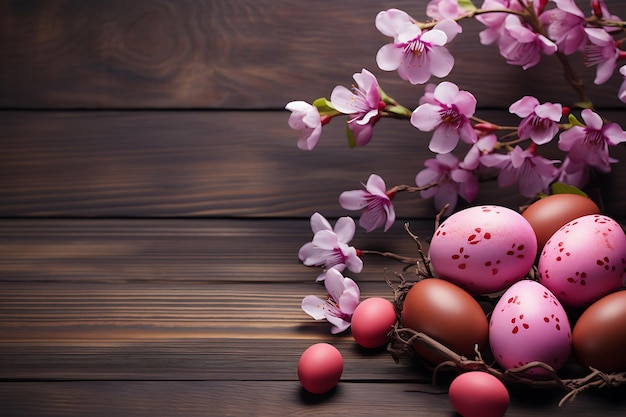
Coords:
561,188
324,106
401,110
467,5
350,135
574,121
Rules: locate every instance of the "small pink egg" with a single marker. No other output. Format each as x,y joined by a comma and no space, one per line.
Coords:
372,319
320,368
584,260
478,394
483,249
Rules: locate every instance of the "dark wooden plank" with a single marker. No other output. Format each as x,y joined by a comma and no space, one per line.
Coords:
171,299
252,398
185,353
198,252
156,164
234,54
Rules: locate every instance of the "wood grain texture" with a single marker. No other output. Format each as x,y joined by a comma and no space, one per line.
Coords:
220,164
198,252
251,398
233,54
172,299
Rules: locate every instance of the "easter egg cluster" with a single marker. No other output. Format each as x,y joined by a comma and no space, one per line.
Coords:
574,305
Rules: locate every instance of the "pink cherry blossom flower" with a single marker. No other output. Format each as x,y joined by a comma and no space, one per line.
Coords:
520,45
451,181
590,143
574,173
540,120
374,201
414,53
495,21
329,247
343,298
601,51
533,173
305,118
363,103
429,94
565,24
483,146
449,117
444,9
622,88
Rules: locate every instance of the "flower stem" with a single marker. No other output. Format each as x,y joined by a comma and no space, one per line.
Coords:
410,189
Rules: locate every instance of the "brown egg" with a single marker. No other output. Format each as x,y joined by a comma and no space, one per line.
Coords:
446,313
548,214
599,335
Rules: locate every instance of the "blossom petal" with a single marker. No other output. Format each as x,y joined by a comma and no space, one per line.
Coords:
325,239
314,307
592,119
349,300
376,185
387,21
353,199
319,222
334,284
446,194
444,140
353,262
524,107
426,117
307,251
465,102
389,57
343,100
344,229
445,92
450,27
339,325
441,62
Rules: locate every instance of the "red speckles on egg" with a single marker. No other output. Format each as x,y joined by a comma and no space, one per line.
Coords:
557,321
516,250
516,328
597,244
600,219
604,263
526,332
485,234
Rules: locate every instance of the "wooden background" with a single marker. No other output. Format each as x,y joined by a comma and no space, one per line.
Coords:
153,200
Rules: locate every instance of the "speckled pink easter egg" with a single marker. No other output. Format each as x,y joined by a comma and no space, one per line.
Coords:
529,324
584,260
483,249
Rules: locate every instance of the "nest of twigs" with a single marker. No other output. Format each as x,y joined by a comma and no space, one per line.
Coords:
401,341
